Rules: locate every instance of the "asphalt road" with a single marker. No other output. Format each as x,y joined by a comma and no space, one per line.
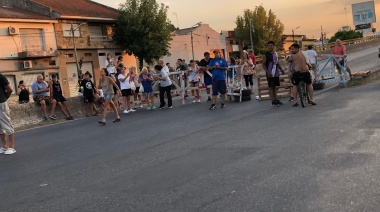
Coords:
246,157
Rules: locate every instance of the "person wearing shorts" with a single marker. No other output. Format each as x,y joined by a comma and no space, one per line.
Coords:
56,93
6,126
193,74
88,89
272,70
218,65
106,83
146,79
301,73
313,56
340,49
207,78
126,91
41,96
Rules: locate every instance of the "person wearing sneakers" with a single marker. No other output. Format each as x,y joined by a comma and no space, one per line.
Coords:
272,69
56,93
146,79
126,90
218,65
207,78
6,126
136,93
194,80
165,87
106,83
41,96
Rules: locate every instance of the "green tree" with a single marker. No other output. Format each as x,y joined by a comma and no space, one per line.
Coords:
346,35
265,27
144,30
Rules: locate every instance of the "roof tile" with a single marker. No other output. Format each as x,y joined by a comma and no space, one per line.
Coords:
84,8
17,13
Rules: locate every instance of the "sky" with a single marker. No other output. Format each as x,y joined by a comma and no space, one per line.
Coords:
309,16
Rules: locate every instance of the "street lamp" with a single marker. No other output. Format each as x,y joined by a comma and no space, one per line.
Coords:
79,72
293,32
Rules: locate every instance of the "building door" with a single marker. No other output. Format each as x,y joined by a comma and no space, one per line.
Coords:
72,76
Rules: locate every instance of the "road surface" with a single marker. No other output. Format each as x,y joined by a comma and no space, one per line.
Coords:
246,157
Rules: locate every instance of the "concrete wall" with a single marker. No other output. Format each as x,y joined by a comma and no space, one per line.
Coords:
26,116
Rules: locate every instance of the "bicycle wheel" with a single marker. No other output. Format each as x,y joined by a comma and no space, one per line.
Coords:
301,92
307,93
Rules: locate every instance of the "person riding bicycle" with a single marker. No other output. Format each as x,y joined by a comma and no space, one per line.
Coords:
301,73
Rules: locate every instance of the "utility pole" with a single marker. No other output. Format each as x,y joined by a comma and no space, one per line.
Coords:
293,33
192,38
79,72
192,44
322,35
250,32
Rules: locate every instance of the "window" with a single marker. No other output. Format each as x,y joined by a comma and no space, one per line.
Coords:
69,55
29,79
32,39
95,31
102,54
117,53
12,81
67,30
231,42
88,54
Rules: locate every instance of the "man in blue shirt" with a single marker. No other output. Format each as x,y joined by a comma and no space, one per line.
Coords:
41,96
218,65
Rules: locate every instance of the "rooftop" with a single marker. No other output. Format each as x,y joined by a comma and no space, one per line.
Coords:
81,8
17,13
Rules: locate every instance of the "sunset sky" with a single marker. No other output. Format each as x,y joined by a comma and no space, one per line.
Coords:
221,14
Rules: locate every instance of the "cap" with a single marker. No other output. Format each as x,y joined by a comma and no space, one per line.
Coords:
217,51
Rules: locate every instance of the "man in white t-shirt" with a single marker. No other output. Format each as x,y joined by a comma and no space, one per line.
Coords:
164,67
313,56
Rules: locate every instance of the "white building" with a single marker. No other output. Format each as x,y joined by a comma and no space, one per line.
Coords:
205,39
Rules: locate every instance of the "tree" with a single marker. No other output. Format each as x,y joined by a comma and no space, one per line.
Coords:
265,27
346,35
144,30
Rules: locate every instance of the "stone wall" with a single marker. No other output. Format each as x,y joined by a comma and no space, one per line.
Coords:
27,116
83,42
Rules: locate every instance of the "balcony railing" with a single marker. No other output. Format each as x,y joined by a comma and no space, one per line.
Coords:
37,53
101,41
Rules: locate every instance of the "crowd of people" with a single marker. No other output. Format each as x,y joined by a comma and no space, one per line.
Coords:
119,85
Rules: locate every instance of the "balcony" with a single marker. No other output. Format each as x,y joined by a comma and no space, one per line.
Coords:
102,42
37,54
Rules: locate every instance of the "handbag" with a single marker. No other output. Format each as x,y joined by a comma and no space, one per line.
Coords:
133,86
141,89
